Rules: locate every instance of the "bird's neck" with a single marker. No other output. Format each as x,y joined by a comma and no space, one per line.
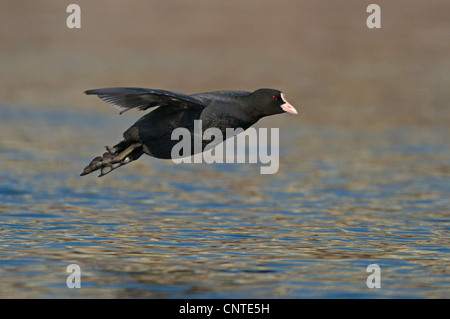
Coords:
252,109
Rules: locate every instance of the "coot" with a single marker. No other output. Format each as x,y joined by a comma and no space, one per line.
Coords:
151,134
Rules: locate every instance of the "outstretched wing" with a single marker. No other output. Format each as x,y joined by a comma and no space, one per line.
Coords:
125,98
224,96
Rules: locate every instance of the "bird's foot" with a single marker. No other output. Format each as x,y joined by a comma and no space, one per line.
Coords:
112,159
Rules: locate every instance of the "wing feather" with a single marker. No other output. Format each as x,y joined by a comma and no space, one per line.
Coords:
125,98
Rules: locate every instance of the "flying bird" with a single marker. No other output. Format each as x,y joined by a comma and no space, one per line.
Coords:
151,134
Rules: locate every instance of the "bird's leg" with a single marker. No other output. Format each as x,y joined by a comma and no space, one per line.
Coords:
112,159
121,156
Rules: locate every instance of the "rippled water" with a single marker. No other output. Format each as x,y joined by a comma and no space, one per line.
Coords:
343,199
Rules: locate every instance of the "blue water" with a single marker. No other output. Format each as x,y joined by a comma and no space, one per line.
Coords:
343,199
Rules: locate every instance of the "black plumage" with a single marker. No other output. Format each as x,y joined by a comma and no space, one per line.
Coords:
151,134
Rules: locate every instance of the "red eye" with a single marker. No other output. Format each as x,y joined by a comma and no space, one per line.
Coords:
274,98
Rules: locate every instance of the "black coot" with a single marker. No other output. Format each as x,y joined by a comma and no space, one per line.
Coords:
151,134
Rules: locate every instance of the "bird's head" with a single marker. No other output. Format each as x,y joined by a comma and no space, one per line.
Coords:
270,102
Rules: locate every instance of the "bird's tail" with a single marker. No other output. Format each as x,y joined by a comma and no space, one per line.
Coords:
114,157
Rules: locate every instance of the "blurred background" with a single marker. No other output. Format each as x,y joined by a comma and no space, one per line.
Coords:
364,170
320,53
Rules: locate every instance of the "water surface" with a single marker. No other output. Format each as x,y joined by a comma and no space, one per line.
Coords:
344,198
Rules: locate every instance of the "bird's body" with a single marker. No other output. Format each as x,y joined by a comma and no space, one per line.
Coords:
152,133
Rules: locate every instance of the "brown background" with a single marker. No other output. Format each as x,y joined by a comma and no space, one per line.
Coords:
333,68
